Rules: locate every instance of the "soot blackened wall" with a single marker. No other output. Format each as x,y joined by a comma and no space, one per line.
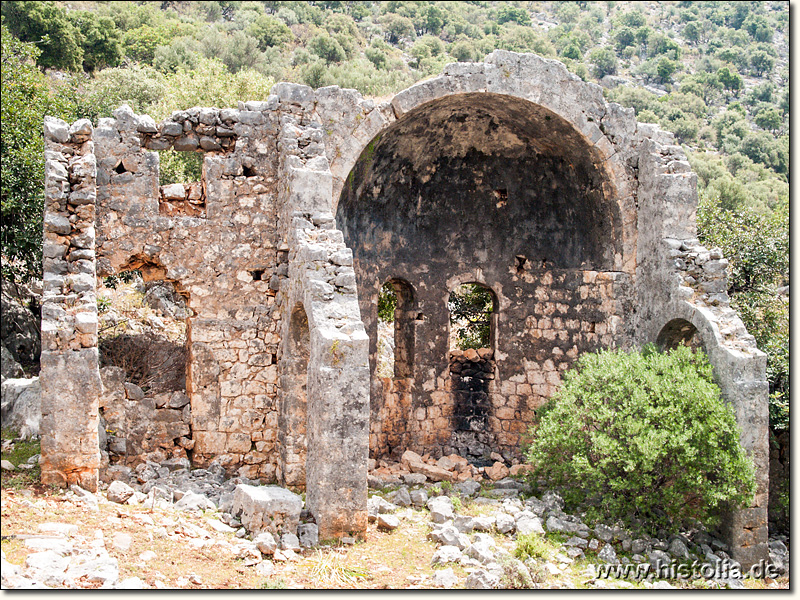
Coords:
484,188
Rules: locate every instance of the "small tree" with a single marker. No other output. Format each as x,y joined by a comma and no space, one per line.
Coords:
471,307
665,69
731,80
643,436
604,62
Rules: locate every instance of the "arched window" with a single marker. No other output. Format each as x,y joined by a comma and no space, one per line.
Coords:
472,309
396,314
472,337
679,332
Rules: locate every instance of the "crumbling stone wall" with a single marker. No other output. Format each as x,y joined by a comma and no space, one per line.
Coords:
138,426
511,173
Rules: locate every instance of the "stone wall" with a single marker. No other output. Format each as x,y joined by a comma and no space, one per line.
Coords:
511,173
137,427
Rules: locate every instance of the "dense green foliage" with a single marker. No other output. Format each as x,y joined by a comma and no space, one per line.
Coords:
714,73
643,436
387,303
26,98
757,246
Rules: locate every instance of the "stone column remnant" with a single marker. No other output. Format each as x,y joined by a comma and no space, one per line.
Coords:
321,288
69,363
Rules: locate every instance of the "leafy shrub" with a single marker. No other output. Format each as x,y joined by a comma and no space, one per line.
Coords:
643,436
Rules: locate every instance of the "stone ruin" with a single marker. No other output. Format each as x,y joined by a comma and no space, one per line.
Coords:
511,173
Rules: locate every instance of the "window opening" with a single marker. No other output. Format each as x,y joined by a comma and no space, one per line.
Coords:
396,314
143,330
387,304
182,192
472,308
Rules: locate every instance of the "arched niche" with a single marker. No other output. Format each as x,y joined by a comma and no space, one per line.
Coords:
511,193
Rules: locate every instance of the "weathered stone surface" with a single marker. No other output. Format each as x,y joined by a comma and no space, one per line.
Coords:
481,579
441,509
529,524
19,326
446,554
266,543
290,541
56,130
308,533
119,492
22,406
432,472
607,554
445,578
447,536
504,523
267,508
388,522
9,367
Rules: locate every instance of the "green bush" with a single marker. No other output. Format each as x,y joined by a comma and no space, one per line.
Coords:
643,436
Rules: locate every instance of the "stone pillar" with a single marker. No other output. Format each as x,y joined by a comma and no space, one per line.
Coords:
338,433
677,278
742,381
333,360
69,376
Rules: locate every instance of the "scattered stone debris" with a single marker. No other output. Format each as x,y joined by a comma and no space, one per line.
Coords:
273,527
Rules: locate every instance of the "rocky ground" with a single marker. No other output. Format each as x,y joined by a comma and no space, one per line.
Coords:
169,526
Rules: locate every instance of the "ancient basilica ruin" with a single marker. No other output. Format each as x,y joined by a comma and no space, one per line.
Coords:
511,173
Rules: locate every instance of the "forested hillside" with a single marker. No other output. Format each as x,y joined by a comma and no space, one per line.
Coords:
714,73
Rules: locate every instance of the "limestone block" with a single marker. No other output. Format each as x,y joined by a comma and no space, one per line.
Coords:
432,472
186,143
209,144
56,130
146,124
55,171
174,191
55,223
267,508
293,93
171,129
209,443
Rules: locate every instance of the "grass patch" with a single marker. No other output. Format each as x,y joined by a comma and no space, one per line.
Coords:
18,453
534,546
329,570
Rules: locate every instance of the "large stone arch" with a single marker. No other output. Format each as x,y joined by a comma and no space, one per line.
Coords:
491,186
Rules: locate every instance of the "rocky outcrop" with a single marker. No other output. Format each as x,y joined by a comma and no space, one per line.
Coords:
22,406
19,325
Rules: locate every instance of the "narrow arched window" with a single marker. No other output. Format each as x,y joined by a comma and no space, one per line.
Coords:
472,308
396,330
472,337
